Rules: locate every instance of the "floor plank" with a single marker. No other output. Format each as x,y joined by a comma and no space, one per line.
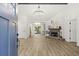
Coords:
42,46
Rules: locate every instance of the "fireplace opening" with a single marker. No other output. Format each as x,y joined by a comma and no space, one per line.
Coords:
55,34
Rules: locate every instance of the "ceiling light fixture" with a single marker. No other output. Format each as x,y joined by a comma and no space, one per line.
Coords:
38,11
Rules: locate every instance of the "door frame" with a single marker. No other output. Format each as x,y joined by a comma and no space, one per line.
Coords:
15,25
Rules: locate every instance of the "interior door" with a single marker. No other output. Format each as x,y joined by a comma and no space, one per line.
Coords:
4,23
13,39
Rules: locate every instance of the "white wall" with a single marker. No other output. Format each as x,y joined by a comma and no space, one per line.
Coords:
23,26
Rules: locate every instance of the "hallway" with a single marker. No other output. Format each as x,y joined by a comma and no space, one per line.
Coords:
42,46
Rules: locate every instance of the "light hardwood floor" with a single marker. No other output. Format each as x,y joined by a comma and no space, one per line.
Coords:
41,46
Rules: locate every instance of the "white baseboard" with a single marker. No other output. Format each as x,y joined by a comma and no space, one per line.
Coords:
70,41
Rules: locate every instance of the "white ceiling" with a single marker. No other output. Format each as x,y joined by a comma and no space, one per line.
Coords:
49,10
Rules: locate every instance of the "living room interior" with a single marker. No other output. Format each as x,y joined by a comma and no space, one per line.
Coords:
48,22
39,29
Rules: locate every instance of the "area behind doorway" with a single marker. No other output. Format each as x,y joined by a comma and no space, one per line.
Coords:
57,17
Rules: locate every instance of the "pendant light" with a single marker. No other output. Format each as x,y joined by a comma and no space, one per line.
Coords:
38,11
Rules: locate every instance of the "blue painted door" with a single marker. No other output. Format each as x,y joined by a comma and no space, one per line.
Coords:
13,39
8,38
4,36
